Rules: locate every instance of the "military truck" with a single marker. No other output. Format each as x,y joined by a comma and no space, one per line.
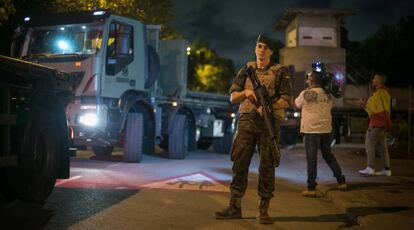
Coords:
34,135
131,89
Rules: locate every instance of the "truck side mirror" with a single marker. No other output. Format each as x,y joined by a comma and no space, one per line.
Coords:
120,52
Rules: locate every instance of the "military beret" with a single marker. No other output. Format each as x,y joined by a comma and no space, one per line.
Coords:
266,40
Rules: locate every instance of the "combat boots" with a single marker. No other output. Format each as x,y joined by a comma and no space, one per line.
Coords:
231,212
262,216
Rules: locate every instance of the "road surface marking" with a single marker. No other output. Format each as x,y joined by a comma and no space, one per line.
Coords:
113,165
60,182
194,182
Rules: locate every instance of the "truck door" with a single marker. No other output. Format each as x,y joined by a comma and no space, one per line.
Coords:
119,55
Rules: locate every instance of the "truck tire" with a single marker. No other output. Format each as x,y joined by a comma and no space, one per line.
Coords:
204,143
223,144
134,138
178,137
34,178
102,151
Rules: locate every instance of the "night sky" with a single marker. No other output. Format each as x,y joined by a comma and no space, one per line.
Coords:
232,26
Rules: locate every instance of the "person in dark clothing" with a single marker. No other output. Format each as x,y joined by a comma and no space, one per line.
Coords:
251,129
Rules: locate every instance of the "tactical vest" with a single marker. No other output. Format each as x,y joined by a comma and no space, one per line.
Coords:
268,79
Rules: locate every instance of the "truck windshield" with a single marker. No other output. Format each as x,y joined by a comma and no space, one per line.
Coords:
66,39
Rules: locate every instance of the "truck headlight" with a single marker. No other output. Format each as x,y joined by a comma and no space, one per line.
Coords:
89,119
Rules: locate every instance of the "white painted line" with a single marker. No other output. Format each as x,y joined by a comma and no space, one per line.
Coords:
195,182
113,165
67,180
121,188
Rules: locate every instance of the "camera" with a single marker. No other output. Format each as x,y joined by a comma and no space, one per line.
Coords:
332,83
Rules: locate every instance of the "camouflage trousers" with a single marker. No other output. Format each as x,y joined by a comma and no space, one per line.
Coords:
251,131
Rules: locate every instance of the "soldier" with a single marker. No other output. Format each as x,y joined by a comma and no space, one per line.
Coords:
251,129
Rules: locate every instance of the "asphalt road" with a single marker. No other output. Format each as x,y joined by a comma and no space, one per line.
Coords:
159,193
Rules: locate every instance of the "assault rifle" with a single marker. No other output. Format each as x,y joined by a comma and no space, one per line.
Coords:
267,111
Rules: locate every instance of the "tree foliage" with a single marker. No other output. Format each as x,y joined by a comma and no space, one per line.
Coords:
158,12
6,9
147,11
388,51
207,72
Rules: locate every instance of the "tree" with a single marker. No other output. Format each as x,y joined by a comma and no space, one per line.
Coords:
207,72
6,9
147,11
355,66
390,50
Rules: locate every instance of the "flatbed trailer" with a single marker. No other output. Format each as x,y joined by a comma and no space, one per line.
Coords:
34,135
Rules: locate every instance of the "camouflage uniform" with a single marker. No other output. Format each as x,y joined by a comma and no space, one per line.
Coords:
251,130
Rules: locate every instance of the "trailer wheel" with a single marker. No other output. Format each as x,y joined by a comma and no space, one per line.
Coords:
134,138
178,137
223,144
102,151
34,178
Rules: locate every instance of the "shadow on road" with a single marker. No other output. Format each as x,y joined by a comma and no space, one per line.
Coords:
18,215
64,208
321,218
349,219
355,212
116,158
373,185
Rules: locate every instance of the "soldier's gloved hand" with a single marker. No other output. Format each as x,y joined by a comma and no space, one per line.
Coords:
250,95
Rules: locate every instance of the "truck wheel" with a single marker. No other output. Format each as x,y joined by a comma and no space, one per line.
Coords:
102,151
134,138
34,178
204,143
178,137
223,144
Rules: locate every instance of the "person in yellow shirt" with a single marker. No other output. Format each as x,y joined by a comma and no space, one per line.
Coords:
378,109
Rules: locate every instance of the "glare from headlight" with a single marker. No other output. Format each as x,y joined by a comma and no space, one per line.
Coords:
296,114
89,119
